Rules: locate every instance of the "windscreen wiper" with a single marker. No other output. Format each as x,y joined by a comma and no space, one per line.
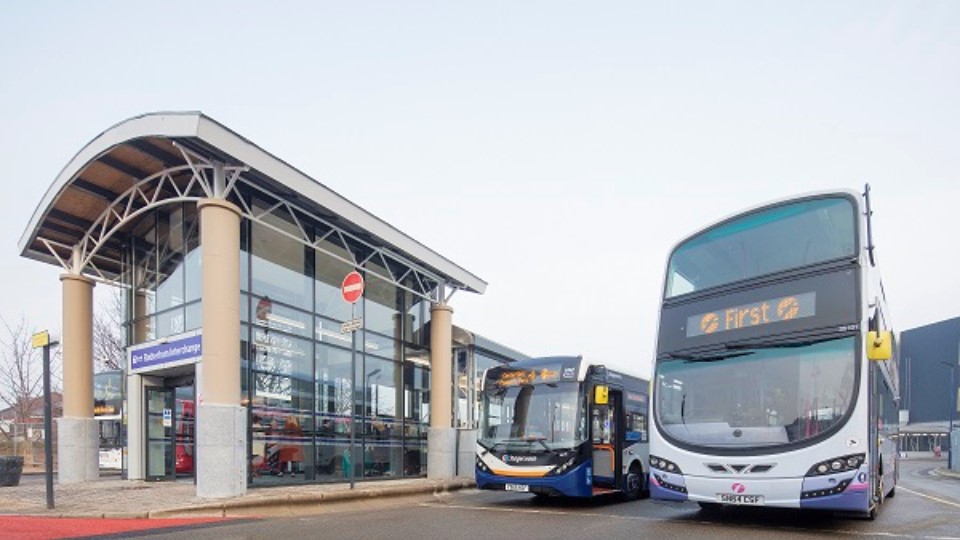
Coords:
528,440
705,357
780,344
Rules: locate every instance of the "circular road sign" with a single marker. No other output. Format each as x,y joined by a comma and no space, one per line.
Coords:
352,287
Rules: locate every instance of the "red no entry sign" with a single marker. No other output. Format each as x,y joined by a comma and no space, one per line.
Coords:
352,287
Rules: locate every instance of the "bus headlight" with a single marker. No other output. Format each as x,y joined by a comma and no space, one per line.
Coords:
837,465
664,465
482,466
566,465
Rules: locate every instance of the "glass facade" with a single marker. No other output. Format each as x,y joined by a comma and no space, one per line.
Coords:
306,386
471,362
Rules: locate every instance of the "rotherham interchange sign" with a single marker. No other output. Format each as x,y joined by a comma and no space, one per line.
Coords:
757,314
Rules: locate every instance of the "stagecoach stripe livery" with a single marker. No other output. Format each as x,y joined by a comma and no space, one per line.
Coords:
775,380
562,426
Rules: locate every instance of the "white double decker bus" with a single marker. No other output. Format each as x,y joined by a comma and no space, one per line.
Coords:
775,380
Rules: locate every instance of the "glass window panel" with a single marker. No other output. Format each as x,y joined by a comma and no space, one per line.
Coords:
245,255
380,345
282,429
192,259
279,261
415,330
329,276
416,396
383,302
282,354
383,426
170,255
329,332
481,363
170,323
334,399
276,317
194,316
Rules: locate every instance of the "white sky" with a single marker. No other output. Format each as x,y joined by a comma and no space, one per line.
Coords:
555,149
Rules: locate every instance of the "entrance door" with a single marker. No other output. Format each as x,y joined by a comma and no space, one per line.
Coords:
605,436
160,440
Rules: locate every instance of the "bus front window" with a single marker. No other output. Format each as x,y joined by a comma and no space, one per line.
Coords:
764,398
532,416
764,242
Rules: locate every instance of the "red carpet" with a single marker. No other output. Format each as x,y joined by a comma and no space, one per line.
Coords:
43,528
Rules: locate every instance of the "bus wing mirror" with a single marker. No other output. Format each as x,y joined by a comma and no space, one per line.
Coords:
601,394
879,345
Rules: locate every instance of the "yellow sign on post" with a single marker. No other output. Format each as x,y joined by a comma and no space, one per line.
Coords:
41,339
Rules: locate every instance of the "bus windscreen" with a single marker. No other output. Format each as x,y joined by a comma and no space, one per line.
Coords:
764,242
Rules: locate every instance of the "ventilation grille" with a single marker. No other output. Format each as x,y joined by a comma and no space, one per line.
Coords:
739,468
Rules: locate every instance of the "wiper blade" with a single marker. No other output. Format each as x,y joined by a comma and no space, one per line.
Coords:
779,344
706,357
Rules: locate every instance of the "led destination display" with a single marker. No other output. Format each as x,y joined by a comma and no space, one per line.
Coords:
770,311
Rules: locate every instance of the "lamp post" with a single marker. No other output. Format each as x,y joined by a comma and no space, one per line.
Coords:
953,409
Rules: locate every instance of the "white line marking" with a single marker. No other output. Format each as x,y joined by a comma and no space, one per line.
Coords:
932,498
668,520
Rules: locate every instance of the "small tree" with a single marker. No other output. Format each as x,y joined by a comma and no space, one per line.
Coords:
108,341
21,369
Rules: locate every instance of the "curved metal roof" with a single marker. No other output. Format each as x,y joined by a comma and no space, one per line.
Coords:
105,171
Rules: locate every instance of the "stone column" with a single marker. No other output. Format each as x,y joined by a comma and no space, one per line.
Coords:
140,325
441,439
221,461
78,441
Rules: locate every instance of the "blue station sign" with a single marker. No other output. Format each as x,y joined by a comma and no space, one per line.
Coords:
164,354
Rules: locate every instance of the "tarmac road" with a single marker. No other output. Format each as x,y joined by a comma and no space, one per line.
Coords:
925,507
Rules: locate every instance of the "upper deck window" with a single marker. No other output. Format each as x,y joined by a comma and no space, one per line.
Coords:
764,242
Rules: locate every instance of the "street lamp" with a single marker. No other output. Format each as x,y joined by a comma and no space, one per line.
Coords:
953,409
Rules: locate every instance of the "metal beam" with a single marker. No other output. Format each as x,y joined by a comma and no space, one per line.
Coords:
93,189
71,219
118,165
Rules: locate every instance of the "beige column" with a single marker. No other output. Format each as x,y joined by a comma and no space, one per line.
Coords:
221,458
441,366
441,437
77,346
140,325
77,434
220,241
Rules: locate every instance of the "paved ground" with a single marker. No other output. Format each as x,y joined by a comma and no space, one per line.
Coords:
116,498
917,512
927,507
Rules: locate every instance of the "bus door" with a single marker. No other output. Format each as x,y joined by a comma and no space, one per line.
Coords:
605,413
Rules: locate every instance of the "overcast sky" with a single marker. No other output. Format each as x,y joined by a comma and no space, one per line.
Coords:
555,149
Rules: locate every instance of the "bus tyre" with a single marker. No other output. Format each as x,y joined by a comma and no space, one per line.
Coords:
633,487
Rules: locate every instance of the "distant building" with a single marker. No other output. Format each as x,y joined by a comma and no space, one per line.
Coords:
928,384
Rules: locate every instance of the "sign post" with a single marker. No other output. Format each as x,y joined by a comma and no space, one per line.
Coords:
42,340
352,289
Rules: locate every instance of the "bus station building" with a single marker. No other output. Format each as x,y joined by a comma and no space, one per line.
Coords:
246,366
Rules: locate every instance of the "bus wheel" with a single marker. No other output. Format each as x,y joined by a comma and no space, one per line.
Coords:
634,484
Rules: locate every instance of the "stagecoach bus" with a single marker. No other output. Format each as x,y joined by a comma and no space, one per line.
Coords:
775,379
562,426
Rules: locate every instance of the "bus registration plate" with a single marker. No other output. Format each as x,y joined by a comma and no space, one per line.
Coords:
736,498
516,487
